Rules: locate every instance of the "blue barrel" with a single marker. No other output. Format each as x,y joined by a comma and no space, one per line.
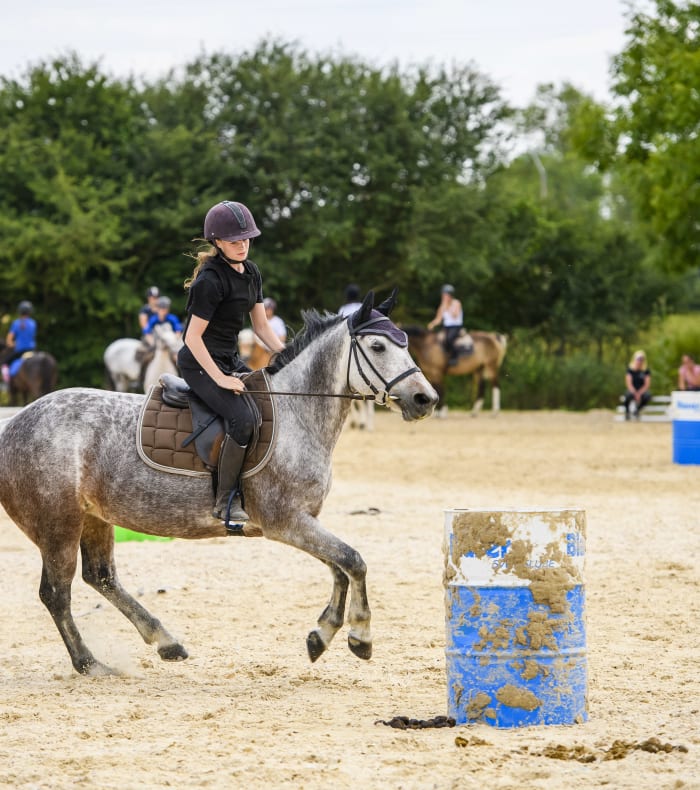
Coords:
685,416
515,617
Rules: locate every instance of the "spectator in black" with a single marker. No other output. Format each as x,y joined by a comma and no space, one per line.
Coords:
638,383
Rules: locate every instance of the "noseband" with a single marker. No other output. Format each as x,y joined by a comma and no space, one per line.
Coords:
356,350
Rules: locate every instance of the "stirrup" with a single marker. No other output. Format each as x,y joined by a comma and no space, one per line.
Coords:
233,515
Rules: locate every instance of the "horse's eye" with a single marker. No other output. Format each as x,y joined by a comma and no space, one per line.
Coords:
378,346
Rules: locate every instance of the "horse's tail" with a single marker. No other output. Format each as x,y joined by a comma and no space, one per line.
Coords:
502,346
49,376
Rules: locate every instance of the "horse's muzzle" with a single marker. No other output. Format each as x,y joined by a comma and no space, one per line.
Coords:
415,400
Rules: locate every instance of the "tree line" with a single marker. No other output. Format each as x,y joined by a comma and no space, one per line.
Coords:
567,223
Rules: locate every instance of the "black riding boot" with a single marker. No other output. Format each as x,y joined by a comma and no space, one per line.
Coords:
228,500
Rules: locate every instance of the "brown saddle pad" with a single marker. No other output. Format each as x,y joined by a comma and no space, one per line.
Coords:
161,430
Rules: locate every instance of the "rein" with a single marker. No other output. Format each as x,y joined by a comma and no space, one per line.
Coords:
355,351
351,396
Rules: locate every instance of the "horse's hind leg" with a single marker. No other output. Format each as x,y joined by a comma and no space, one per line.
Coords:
332,617
55,593
480,391
99,571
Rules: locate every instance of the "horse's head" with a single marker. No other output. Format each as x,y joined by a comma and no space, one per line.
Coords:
380,365
165,337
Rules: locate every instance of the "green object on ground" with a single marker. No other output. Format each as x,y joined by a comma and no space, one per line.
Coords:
121,535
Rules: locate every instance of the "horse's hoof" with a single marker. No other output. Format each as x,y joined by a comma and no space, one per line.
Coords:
315,646
97,670
360,649
172,653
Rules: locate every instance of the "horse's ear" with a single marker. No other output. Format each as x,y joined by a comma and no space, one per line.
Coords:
389,304
363,314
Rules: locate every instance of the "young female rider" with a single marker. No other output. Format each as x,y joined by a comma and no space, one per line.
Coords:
224,288
451,317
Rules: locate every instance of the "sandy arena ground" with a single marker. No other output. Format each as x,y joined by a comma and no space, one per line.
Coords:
248,709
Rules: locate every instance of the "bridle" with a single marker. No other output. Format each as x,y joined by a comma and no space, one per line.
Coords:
356,350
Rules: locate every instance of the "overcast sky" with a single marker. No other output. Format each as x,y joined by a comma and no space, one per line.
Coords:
517,43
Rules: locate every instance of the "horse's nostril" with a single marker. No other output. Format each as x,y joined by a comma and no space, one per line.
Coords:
423,400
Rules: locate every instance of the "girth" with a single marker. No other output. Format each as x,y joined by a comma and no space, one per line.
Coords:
178,433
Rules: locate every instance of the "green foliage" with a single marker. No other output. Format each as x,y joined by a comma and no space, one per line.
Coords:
534,379
354,174
656,76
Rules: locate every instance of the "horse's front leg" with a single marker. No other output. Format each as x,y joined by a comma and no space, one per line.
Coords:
495,396
332,617
349,572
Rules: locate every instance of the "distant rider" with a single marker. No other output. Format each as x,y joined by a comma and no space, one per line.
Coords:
22,334
149,309
451,317
162,316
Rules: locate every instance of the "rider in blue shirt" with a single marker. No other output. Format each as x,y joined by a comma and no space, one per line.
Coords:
163,316
22,334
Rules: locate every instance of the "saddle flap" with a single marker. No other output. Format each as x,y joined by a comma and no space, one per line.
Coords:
207,431
161,430
259,453
188,440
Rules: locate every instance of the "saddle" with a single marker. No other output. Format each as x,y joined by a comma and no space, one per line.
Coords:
16,364
462,346
178,433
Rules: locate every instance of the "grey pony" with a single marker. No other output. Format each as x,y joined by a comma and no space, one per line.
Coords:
70,470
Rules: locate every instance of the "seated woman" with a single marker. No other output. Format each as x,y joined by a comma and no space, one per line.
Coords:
689,374
638,383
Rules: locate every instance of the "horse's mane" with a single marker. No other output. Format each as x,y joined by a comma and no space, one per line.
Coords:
315,325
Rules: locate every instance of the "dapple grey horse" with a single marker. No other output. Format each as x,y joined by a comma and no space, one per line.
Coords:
70,469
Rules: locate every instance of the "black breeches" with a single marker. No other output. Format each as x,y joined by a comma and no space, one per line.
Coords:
451,334
239,420
15,355
629,397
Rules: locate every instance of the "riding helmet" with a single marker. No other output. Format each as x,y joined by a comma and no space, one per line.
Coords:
164,301
152,291
229,221
353,293
448,289
25,308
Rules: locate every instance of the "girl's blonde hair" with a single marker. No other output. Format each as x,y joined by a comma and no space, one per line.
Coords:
201,257
637,355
